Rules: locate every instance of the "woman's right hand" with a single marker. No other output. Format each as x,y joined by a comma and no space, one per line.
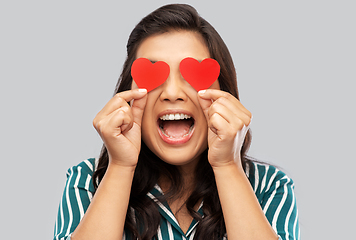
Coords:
119,126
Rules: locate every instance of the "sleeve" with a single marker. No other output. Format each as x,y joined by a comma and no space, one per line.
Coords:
76,198
279,205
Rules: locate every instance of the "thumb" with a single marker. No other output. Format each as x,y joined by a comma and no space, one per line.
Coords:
138,106
204,104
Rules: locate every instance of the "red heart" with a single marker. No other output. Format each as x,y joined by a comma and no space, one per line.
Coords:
200,75
148,75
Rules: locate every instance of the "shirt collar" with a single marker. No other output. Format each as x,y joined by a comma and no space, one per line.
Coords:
167,213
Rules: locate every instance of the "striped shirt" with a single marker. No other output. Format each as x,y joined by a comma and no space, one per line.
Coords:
273,189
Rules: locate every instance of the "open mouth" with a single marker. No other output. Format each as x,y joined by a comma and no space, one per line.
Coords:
176,127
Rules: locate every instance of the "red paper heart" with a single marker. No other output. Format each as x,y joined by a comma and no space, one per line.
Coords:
200,75
148,75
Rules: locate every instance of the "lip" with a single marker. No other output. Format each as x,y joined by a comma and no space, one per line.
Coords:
174,111
175,141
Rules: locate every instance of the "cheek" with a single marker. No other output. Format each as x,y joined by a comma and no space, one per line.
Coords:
146,130
148,124
215,85
133,85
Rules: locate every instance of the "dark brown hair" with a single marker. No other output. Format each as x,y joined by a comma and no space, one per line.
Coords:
150,167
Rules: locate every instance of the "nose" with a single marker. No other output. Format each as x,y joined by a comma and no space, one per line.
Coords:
173,87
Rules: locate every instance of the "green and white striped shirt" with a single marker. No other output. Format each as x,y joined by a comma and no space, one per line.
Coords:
273,188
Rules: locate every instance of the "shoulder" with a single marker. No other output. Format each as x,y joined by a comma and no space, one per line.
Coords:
80,176
275,193
266,178
87,166
77,195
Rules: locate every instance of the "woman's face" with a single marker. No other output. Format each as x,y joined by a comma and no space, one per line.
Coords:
180,141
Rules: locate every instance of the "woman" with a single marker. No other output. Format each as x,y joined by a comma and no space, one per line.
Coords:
174,164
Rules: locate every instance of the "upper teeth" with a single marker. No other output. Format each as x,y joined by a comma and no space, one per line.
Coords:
177,116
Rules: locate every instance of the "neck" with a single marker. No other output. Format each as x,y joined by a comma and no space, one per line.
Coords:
187,176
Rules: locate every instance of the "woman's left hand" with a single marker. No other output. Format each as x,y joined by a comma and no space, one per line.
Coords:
228,122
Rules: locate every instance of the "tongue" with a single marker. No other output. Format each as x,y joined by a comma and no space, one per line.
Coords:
176,129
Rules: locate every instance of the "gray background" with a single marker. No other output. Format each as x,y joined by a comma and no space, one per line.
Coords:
60,61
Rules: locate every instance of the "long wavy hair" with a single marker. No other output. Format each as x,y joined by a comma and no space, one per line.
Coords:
143,218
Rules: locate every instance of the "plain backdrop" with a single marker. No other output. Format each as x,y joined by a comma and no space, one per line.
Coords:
60,61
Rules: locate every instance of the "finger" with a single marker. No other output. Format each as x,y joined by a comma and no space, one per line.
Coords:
121,99
123,116
219,125
137,108
117,122
224,130
230,112
116,102
214,95
205,105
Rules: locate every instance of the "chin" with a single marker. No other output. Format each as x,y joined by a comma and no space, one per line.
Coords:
179,160
178,156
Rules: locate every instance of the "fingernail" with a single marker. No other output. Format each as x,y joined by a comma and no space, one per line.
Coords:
142,90
201,92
